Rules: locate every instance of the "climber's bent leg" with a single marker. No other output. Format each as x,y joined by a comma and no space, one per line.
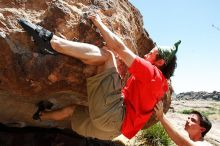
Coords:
59,114
103,117
48,43
83,125
88,53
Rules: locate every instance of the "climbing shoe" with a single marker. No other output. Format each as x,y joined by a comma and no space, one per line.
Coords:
40,35
42,106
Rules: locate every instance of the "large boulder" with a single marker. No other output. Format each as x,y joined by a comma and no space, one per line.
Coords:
26,76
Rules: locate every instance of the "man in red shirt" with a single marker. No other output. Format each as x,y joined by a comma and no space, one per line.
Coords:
112,110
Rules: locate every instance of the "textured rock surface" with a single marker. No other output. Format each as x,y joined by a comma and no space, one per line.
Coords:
26,76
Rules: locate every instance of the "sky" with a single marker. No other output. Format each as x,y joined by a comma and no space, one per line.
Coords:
197,24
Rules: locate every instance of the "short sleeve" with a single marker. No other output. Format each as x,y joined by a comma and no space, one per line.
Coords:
142,69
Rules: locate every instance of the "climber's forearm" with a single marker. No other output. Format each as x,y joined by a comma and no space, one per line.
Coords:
115,43
112,40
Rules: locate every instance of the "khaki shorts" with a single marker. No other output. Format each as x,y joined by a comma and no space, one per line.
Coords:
103,117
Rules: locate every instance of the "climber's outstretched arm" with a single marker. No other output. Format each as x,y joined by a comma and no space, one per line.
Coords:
113,41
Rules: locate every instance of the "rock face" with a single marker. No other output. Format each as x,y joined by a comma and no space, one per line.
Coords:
26,76
215,95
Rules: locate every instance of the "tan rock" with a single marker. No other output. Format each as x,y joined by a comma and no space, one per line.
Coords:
26,77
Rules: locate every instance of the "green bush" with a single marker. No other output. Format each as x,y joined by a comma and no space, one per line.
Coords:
187,111
155,136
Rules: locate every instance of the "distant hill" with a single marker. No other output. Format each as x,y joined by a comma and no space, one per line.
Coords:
215,95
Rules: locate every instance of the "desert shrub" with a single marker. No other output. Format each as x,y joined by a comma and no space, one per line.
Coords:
186,111
155,136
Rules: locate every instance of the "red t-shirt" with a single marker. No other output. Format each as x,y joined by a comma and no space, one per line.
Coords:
145,87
